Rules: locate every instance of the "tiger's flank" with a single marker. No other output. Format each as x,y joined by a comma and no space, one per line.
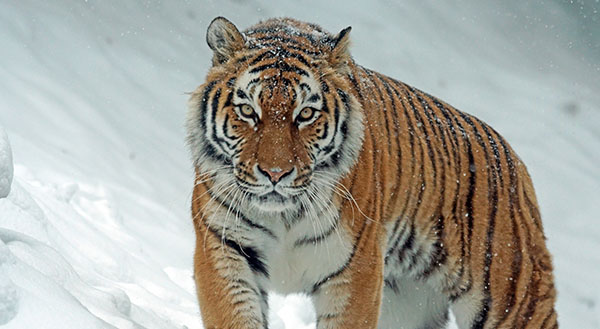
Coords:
385,205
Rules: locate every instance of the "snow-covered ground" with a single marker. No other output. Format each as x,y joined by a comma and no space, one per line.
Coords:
95,231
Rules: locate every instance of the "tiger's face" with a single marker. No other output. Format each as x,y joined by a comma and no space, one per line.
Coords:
282,129
276,125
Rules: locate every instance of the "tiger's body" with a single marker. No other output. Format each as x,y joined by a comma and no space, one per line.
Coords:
384,204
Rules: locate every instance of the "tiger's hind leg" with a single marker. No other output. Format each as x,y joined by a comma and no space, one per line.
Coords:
516,290
532,308
534,311
408,304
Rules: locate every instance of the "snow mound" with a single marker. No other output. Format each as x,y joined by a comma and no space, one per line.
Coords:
6,168
9,296
64,250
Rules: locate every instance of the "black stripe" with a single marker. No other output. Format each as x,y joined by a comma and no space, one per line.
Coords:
288,46
496,157
356,85
376,158
435,122
204,103
437,258
313,98
251,82
497,174
231,82
280,54
415,257
241,94
264,296
329,148
381,108
421,124
244,219
468,207
533,212
514,201
208,148
282,66
456,153
410,131
278,39
452,132
215,107
243,59
325,107
303,86
402,237
392,284
421,187
547,318
302,176
253,257
396,137
226,129
395,236
239,283
327,316
325,133
408,243
492,208
319,238
257,226
259,57
275,32
516,242
339,271
471,189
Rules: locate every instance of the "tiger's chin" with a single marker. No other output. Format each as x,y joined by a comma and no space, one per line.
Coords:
273,202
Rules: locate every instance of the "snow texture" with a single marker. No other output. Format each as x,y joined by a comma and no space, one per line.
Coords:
95,229
6,164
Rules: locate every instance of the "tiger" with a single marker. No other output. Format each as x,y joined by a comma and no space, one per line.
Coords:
386,206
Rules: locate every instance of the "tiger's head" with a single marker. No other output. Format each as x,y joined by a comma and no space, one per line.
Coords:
276,123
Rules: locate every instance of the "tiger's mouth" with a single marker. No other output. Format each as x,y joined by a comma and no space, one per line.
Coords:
269,196
273,201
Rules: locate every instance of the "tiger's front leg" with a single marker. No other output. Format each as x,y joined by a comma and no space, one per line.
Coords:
351,297
228,293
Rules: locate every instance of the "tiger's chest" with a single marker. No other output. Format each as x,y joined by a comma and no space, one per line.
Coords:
300,256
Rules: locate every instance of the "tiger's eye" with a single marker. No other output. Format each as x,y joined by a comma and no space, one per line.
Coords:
306,114
247,110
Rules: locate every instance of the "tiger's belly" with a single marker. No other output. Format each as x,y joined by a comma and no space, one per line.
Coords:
304,255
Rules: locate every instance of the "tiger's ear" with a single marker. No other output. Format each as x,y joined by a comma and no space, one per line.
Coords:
224,39
340,53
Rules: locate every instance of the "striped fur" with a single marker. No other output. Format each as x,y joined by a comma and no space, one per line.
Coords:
384,204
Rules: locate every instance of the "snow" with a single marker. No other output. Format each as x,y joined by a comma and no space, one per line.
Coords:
95,229
6,164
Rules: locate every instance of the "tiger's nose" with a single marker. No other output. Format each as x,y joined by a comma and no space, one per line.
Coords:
274,174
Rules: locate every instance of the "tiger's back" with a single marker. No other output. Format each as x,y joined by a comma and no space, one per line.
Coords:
427,207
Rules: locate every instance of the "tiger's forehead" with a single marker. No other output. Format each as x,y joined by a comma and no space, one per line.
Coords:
276,90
